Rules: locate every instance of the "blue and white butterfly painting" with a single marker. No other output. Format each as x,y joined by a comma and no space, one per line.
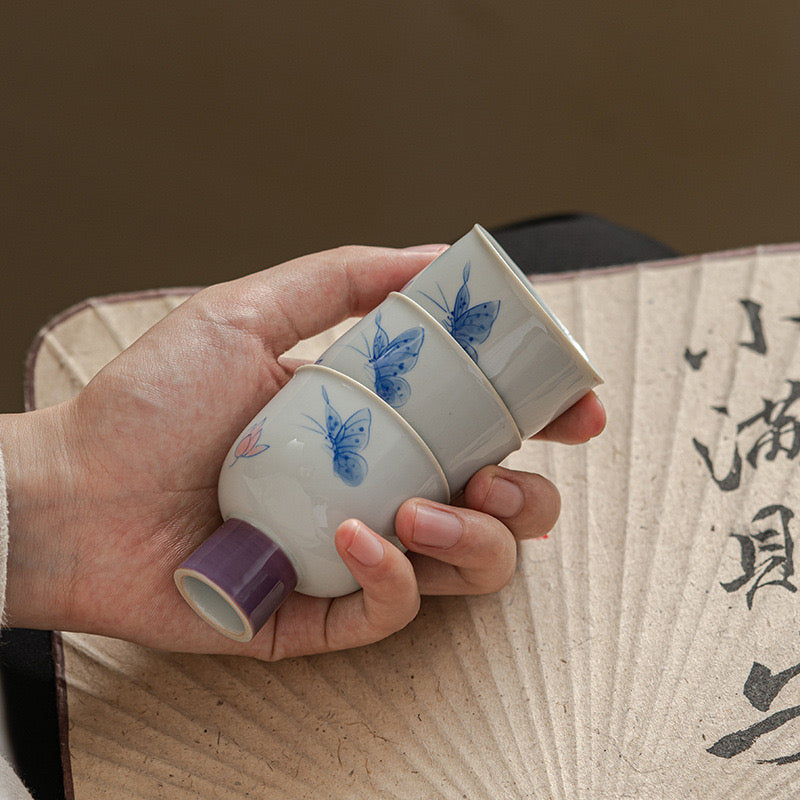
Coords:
390,360
468,326
346,440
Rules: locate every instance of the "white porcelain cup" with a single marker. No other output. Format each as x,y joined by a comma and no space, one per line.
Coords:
323,450
408,359
487,304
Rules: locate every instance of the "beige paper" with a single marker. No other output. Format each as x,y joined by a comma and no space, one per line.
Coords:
619,655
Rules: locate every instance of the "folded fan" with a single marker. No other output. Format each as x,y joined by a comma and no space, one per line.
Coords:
649,647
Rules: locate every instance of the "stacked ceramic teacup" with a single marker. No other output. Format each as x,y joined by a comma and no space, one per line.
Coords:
438,381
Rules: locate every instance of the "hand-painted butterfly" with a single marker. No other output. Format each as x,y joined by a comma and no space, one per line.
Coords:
345,440
468,326
391,360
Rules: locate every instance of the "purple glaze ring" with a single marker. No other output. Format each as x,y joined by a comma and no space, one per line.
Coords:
236,579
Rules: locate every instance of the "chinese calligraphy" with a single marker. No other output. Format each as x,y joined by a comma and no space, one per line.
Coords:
777,430
766,546
759,343
775,426
695,360
777,549
760,688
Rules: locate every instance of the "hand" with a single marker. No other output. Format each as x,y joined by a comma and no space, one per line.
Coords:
110,491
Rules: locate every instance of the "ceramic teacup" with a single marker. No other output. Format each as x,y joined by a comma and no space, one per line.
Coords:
408,359
323,450
490,308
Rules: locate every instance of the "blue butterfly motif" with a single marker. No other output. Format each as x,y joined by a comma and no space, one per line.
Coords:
468,326
391,360
345,440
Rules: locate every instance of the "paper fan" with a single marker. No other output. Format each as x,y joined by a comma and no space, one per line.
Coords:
648,648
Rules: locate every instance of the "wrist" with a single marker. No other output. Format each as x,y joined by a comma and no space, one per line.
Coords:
42,487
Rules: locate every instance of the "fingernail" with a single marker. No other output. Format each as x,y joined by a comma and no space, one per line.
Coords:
504,499
426,248
434,527
605,414
366,547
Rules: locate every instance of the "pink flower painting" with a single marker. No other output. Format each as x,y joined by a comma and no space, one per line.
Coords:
250,445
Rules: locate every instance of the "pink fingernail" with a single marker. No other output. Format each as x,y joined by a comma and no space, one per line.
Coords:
434,527
504,499
365,546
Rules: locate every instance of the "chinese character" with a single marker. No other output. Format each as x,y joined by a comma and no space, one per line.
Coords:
764,551
777,429
759,343
760,688
694,360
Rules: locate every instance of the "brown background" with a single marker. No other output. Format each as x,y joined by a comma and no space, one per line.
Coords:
149,144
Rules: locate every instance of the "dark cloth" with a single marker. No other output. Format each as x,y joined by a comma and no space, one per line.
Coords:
569,242
27,669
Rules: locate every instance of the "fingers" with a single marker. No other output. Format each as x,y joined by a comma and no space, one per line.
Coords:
390,597
579,423
303,297
472,550
457,550
527,504
389,601
454,551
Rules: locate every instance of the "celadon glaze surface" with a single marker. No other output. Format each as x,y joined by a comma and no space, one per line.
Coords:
437,388
326,450
489,307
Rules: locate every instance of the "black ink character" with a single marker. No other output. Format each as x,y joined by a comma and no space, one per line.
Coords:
778,431
695,360
760,688
759,343
763,552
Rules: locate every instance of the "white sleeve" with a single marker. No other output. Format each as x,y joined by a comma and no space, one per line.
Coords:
11,787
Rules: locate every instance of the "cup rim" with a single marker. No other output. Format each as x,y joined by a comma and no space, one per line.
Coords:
182,574
521,282
390,412
462,356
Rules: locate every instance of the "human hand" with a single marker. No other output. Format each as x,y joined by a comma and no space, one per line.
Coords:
111,490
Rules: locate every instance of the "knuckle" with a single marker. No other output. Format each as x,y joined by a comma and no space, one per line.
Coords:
505,571
552,510
494,565
412,609
401,613
543,510
348,253
399,600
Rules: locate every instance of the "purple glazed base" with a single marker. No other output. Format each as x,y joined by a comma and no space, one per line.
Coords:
236,579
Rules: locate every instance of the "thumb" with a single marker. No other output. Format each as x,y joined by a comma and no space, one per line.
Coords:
300,298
